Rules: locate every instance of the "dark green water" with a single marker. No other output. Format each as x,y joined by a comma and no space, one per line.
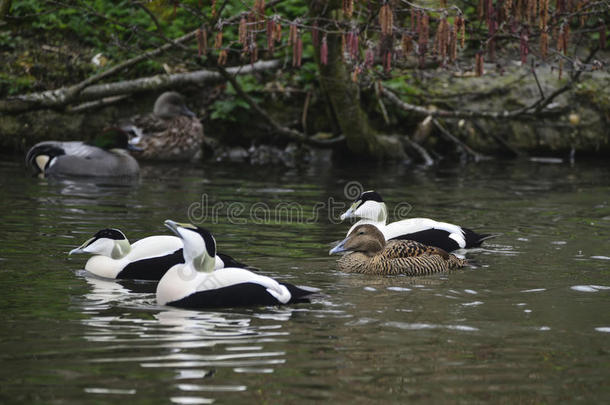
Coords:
530,323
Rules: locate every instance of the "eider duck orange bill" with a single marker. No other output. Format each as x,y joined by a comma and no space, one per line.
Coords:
195,284
370,254
371,208
146,259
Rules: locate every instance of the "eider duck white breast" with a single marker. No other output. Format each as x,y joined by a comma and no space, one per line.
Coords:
195,284
371,208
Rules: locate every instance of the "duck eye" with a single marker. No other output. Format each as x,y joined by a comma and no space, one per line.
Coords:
361,233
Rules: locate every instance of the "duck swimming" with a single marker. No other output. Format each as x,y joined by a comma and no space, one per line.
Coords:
370,207
106,157
145,259
171,133
370,254
195,284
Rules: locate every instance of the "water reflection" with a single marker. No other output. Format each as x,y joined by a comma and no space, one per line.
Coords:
527,323
195,344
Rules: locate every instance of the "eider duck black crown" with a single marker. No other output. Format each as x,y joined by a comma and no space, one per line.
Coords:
208,239
370,195
110,233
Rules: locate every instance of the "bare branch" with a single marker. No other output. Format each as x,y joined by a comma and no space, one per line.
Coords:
428,161
58,99
467,149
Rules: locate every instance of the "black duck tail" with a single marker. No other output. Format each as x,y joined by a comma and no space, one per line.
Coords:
299,294
474,239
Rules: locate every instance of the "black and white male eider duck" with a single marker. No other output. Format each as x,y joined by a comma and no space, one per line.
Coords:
195,284
370,254
146,259
106,156
370,207
171,133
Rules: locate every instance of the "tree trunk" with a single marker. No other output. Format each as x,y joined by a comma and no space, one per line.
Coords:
344,96
5,6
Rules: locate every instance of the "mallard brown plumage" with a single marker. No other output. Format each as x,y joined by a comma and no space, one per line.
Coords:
171,133
370,254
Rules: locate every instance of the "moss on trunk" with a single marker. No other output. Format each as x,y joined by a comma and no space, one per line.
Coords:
344,97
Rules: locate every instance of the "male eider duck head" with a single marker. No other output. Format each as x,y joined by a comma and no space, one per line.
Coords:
369,205
171,104
363,238
108,242
199,245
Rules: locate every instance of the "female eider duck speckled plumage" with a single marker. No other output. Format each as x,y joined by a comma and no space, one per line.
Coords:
106,156
369,206
146,259
171,133
195,284
370,254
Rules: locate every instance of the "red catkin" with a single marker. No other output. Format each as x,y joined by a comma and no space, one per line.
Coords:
269,33
324,51
315,34
242,32
369,57
202,41
524,46
388,61
292,34
218,40
478,65
297,51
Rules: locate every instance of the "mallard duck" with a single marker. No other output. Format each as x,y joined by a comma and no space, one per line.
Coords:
195,284
107,156
371,254
370,207
172,132
145,259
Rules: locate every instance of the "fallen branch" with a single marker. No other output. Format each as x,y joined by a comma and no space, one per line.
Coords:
467,149
469,114
59,98
428,161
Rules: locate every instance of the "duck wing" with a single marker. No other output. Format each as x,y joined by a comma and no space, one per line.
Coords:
420,265
243,294
97,163
397,249
179,138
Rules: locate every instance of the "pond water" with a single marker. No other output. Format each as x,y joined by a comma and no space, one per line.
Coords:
529,322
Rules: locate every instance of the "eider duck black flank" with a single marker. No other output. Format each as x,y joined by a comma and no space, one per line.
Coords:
195,284
372,209
370,254
147,259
